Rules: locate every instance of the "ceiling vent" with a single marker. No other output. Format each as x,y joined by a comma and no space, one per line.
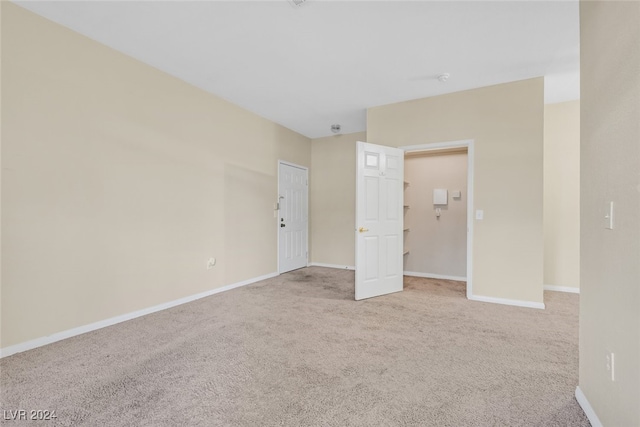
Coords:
297,3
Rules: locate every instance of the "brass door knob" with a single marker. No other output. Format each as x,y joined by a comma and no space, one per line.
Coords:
362,229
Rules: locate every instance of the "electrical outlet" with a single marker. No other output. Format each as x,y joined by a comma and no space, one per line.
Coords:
210,263
611,365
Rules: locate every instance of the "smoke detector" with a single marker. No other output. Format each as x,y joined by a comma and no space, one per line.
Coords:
443,77
335,128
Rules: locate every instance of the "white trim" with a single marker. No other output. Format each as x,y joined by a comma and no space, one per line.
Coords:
435,276
341,267
39,342
293,165
569,289
277,211
469,143
517,303
438,145
586,407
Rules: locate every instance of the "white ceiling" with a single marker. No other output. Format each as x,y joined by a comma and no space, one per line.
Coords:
326,62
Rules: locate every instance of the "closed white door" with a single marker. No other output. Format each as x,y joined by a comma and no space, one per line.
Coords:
293,217
379,205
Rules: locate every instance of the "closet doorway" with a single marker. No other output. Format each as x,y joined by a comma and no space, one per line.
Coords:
438,211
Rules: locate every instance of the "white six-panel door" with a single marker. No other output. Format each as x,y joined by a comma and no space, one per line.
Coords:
379,220
293,217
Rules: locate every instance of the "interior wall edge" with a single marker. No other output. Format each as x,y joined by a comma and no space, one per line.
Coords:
586,407
59,336
505,301
435,276
556,288
340,267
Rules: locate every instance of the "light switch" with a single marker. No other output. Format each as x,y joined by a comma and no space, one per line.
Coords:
479,214
609,216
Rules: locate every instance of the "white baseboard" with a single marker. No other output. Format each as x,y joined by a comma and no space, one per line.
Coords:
39,342
435,276
341,267
586,407
517,303
562,289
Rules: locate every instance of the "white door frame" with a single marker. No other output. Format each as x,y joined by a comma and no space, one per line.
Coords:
277,211
469,144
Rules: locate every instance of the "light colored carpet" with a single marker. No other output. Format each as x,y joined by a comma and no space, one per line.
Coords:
296,350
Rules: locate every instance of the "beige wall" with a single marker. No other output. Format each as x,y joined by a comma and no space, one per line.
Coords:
333,198
506,122
437,246
562,194
610,161
119,181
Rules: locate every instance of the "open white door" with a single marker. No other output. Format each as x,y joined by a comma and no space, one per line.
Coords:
293,218
379,198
